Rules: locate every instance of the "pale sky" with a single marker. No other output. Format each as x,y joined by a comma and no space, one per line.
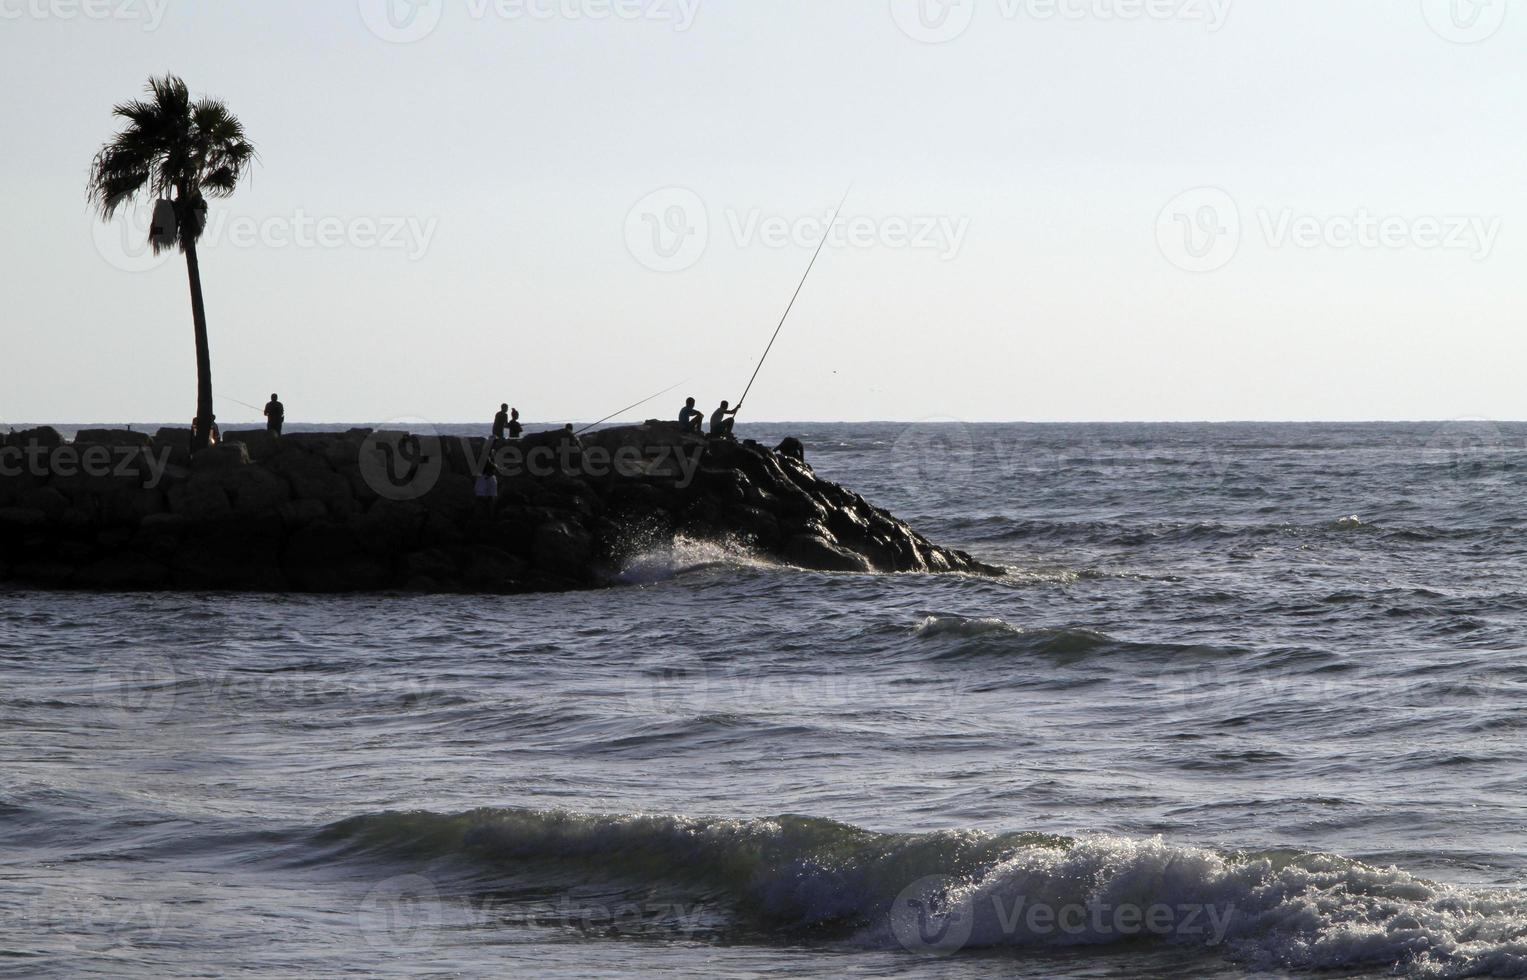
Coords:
1061,209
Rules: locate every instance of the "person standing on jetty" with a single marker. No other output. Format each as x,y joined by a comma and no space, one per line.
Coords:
486,489
212,439
691,418
515,428
720,425
501,422
275,415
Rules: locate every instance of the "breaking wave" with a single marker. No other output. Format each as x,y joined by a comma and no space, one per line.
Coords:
960,638
816,880
683,555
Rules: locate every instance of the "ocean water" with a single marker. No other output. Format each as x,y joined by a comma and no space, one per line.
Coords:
1250,699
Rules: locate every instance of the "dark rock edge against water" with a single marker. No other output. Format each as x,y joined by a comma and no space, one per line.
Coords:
365,511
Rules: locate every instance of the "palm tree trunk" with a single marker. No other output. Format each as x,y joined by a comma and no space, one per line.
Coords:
202,437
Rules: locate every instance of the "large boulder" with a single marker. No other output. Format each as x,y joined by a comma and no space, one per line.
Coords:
312,477
254,490
818,553
486,569
111,437
329,558
389,527
125,572
45,436
562,549
177,442
260,443
224,456
200,500
237,553
792,448
172,437
47,500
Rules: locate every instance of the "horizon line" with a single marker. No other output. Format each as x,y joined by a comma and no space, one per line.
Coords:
936,421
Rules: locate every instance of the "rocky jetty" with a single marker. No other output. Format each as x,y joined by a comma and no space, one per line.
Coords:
368,510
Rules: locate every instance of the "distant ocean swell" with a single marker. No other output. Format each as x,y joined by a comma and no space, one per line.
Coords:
808,880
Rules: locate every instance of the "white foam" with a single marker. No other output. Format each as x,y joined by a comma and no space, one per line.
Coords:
963,626
962,890
1310,912
682,555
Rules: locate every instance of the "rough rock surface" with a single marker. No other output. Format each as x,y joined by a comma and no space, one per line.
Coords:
369,511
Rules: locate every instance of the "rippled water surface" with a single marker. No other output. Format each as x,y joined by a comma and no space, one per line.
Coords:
1250,698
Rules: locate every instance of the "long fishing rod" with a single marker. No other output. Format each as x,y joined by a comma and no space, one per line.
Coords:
629,407
826,234
228,398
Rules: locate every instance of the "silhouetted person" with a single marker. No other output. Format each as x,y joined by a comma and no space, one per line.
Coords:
501,422
720,425
515,428
486,490
275,415
570,449
213,439
691,418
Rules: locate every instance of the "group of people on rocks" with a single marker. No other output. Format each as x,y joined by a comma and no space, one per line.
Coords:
507,423
275,418
722,420
507,426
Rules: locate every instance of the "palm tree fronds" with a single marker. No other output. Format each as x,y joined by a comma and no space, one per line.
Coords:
171,148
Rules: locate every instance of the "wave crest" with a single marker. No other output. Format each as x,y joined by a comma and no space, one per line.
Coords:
967,889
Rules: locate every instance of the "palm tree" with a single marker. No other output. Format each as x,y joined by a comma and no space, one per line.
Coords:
178,153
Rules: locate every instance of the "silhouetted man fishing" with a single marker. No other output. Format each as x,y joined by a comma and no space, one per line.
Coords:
275,415
720,425
691,418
